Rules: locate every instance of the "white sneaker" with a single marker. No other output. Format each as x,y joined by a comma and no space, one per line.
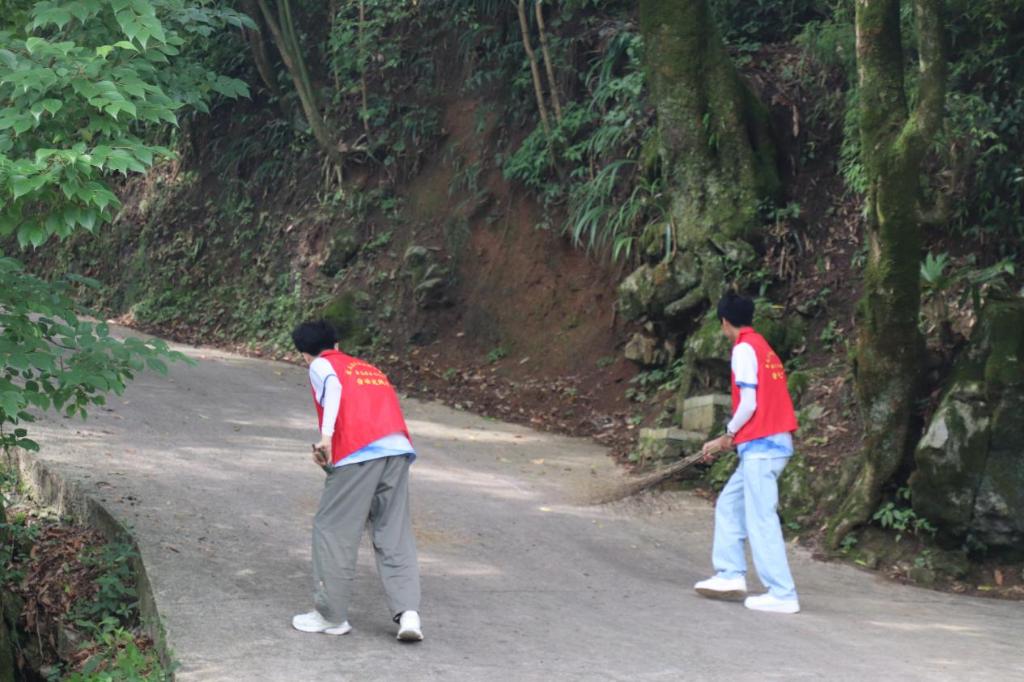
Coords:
409,627
768,602
732,589
314,622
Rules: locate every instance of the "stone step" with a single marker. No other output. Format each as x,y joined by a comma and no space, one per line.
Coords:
706,414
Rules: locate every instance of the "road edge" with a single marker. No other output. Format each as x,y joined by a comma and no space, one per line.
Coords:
70,499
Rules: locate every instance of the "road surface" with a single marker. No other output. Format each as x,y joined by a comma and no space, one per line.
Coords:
522,579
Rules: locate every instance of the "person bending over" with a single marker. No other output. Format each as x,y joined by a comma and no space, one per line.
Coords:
366,451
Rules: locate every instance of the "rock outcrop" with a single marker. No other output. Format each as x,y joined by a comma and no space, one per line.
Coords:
969,480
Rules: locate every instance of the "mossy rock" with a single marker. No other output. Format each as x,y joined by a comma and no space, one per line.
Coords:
798,383
783,334
736,252
719,472
796,498
969,479
652,240
344,248
951,564
708,343
636,292
712,276
349,323
649,288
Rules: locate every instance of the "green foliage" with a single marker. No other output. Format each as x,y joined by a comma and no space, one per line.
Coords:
496,354
115,603
982,142
380,62
77,84
16,535
933,272
830,335
718,474
899,516
120,660
54,359
744,22
976,160
611,191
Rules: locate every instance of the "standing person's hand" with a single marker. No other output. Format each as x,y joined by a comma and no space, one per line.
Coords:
713,447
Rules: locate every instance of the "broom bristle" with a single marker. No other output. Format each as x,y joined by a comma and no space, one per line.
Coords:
650,480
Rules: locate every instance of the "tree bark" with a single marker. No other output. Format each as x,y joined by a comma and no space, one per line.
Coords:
258,47
538,89
548,66
716,142
887,365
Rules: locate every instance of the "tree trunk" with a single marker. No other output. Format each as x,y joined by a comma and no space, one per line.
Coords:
258,47
282,29
716,142
548,66
887,364
538,89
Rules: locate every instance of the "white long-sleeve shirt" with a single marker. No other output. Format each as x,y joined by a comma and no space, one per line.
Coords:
744,370
327,389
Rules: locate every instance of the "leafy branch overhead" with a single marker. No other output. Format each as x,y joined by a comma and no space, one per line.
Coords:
79,84
52,358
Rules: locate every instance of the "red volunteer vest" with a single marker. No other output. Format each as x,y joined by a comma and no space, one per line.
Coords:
369,406
774,413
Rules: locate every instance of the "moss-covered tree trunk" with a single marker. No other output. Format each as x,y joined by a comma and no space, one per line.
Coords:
716,141
893,144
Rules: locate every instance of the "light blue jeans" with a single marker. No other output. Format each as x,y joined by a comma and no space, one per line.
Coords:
746,510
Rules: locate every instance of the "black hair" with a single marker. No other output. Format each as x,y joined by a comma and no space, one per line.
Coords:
314,337
736,310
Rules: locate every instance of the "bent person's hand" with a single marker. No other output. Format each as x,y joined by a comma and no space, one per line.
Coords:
321,456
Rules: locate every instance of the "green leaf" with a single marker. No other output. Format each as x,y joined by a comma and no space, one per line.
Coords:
34,44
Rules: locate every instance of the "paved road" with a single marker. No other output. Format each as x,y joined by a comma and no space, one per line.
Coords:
521,581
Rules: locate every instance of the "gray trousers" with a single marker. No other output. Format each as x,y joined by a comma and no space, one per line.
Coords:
376,491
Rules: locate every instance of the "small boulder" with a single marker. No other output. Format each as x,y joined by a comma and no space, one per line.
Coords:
643,350
431,293
662,446
343,313
343,249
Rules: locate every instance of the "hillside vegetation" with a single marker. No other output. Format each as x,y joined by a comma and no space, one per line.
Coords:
528,210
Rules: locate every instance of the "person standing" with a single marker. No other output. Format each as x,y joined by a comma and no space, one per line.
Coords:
761,429
366,451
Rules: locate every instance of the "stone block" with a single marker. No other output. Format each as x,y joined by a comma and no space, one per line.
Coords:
658,446
706,414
